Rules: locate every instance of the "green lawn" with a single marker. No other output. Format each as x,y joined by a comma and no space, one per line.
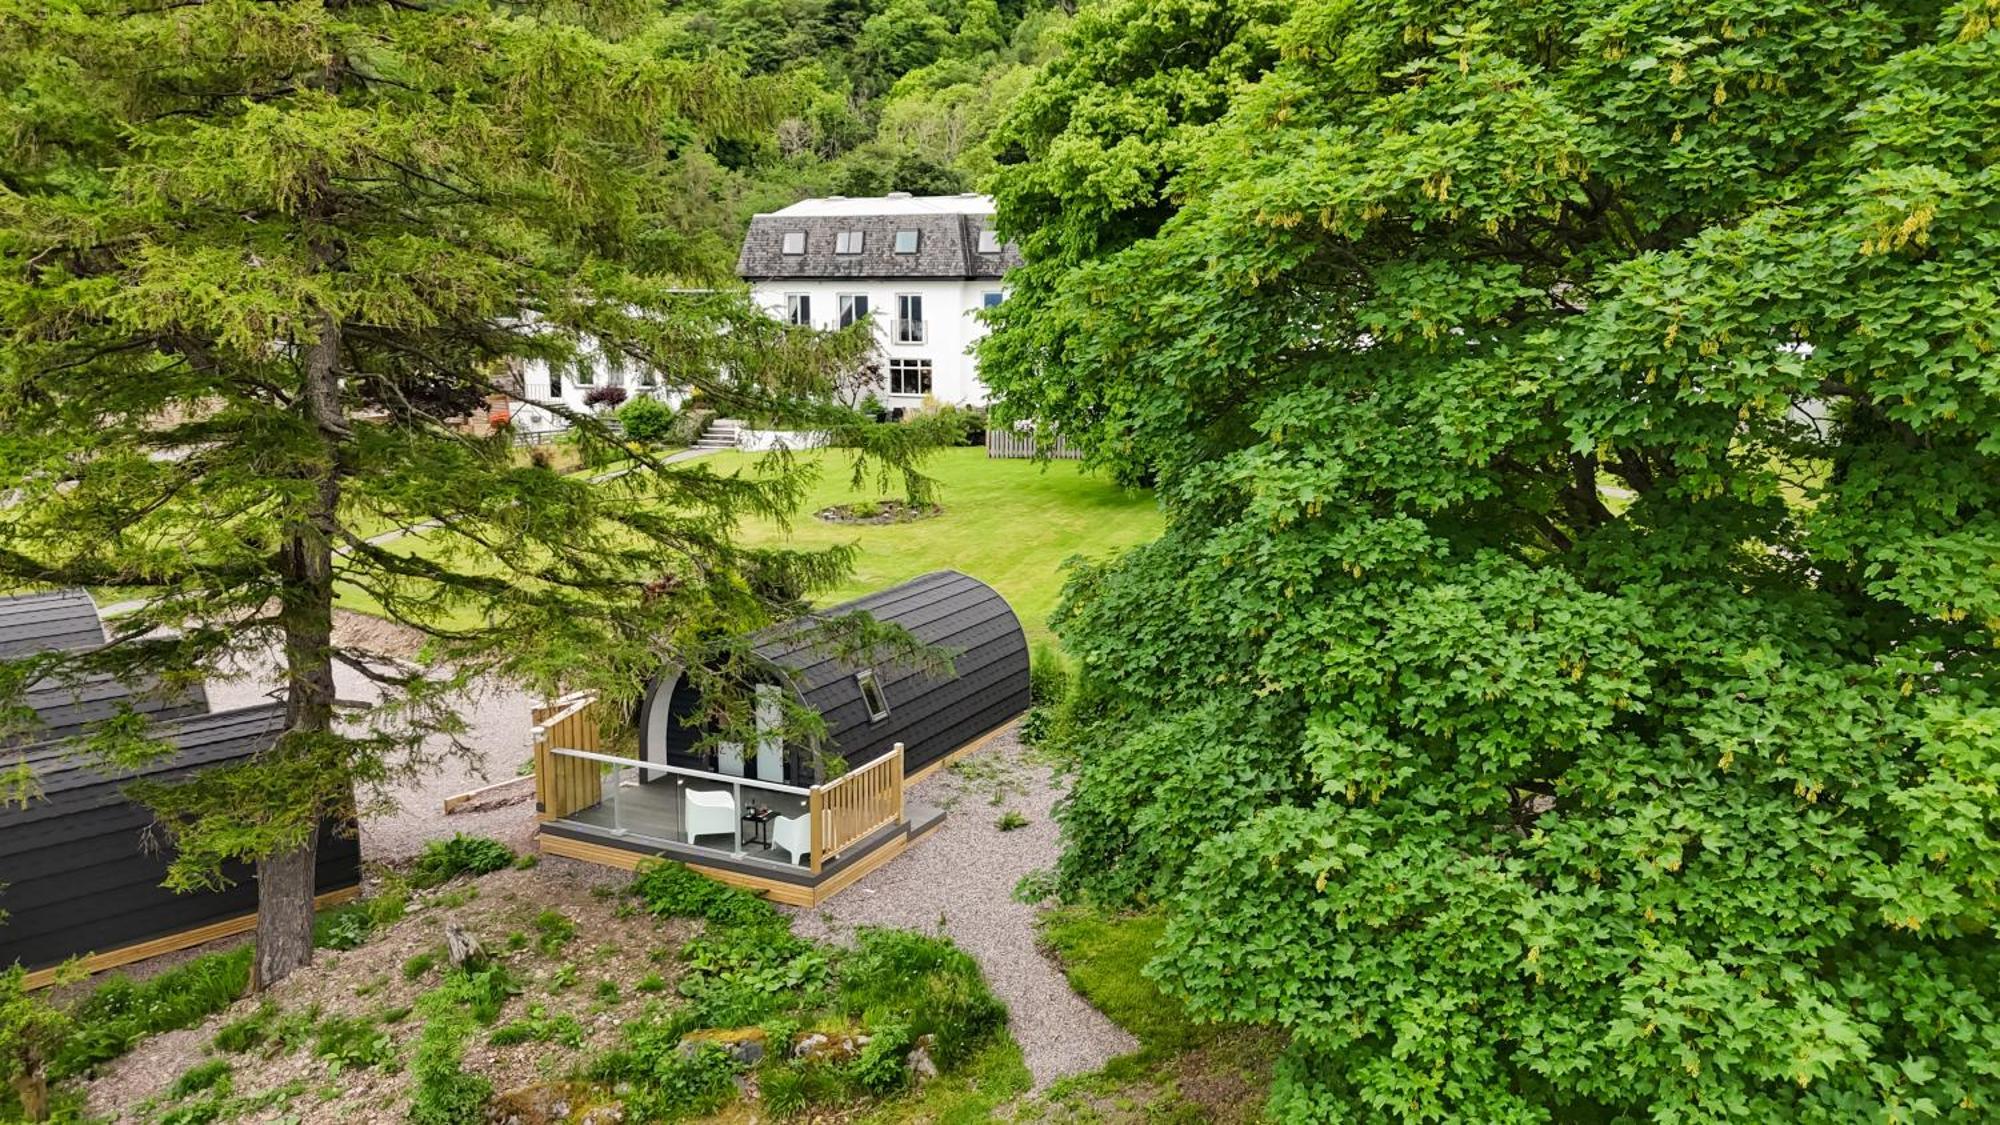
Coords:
1008,523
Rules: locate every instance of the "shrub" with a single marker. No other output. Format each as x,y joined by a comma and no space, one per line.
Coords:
1036,887
444,1094
604,395
667,1084
1048,675
647,420
345,927
926,984
670,890
739,976
443,860
121,1012
689,425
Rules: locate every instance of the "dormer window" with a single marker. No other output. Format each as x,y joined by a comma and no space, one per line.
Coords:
989,241
795,242
906,242
847,242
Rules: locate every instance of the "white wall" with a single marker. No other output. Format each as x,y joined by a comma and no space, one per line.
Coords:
530,414
950,326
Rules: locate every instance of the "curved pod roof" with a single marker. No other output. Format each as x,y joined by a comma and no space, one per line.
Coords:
930,716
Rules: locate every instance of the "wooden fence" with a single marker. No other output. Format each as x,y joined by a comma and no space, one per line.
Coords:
1008,444
565,785
853,807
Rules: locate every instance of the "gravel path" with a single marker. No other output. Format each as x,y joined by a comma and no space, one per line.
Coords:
961,877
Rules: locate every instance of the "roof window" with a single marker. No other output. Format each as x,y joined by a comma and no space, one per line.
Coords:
906,242
989,241
871,695
795,242
847,242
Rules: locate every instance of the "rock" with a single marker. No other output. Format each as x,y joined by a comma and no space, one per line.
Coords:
809,1046
545,1103
919,1060
743,1044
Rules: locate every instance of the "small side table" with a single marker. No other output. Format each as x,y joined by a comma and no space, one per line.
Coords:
759,831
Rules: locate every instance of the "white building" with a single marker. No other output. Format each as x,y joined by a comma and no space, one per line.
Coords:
922,265
540,386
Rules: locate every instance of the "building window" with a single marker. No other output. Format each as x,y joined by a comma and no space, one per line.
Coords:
909,318
584,375
555,383
909,376
799,309
989,241
871,695
906,242
795,242
853,307
990,298
847,242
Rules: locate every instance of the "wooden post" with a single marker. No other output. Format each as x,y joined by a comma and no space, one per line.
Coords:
541,740
896,779
815,810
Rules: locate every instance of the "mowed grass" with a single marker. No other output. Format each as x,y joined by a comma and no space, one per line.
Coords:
1010,524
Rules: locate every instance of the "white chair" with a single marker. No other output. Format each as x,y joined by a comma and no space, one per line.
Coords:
708,813
794,834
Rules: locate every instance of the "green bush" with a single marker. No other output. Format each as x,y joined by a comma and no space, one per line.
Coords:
483,991
670,890
689,425
879,1068
538,1026
647,420
444,1094
1048,675
443,860
121,1012
344,927
1010,820
667,1084
736,977
927,985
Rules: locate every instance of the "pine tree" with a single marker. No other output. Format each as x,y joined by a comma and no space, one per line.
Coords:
255,262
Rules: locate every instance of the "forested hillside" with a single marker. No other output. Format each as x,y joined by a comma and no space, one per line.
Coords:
880,95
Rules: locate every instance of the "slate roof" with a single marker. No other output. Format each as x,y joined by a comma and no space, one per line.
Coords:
947,227
930,716
62,621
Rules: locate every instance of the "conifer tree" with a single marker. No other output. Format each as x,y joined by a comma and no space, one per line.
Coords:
257,260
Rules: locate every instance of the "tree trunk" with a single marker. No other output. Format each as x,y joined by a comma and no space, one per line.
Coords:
285,886
32,1089
285,881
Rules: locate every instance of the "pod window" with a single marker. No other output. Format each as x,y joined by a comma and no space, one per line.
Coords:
871,695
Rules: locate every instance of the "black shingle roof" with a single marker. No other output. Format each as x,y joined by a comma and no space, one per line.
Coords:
63,621
70,783
947,248
930,716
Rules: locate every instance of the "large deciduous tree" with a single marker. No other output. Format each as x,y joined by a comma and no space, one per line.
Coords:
256,260
1565,690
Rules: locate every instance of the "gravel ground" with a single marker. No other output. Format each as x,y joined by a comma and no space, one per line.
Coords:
961,877
498,741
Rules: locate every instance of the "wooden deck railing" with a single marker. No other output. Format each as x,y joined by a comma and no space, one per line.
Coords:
853,807
564,785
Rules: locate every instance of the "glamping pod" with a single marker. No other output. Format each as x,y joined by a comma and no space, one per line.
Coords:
868,710
766,816
81,864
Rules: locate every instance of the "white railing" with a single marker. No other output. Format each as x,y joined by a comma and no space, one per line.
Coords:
1003,444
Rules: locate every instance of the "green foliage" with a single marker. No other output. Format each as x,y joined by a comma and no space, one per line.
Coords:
1010,820
538,1026
32,1032
879,1067
647,420
242,1034
1564,691
444,860
326,235
668,1084
739,975
670,890
1036,887
553,930
353,1042
346,927
443,1092
120,1012
419,964
651,983
199,1078
924,985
